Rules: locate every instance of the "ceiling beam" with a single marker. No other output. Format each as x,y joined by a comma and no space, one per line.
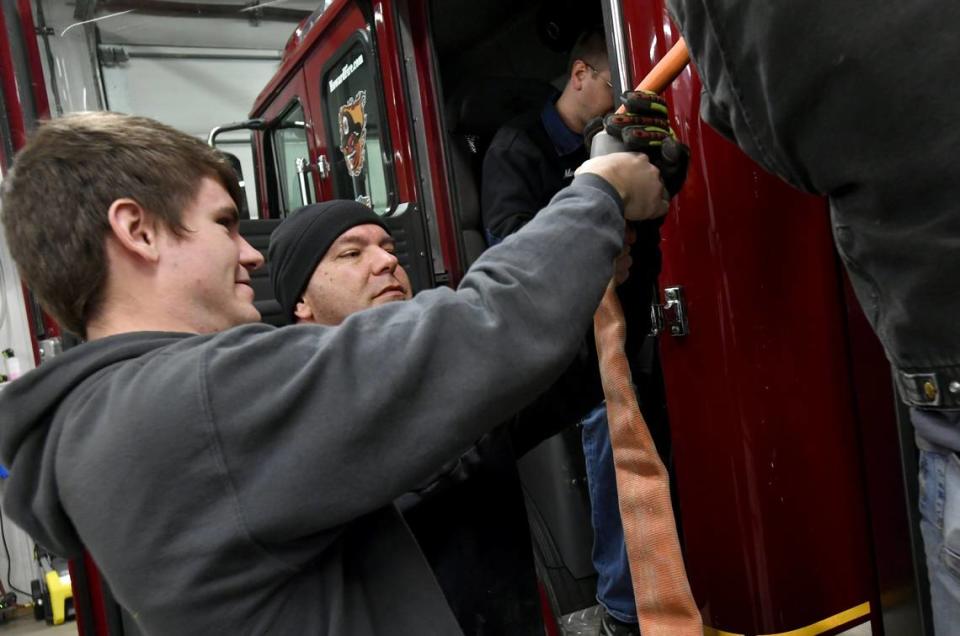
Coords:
170,8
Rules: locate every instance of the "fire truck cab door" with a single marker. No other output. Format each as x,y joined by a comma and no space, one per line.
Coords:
361,130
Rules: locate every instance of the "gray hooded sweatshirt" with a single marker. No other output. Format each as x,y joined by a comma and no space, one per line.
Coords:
241,482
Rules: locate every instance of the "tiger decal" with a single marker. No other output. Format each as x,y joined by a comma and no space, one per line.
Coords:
353,132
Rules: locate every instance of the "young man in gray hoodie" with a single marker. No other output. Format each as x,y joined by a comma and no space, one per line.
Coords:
248,472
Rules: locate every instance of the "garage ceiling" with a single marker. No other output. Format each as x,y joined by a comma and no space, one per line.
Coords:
234,24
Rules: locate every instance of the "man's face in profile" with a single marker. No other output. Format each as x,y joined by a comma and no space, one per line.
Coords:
597,90
360,270
209,266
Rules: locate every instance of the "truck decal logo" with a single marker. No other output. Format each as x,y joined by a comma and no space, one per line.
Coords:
353,132
345,72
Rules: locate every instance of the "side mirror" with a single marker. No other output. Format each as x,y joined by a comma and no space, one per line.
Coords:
250,124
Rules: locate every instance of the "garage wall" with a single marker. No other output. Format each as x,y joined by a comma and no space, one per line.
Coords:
192,89
192,74
15,334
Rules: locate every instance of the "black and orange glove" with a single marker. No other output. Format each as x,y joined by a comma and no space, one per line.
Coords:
645,127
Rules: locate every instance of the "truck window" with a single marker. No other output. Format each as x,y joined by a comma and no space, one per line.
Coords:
359,153
290,146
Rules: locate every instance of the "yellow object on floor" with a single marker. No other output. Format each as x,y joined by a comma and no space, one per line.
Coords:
60,590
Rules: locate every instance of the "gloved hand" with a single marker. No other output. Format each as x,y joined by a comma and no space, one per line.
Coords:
645,127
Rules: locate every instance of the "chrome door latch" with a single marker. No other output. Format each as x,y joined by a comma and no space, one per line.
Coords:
323,166
303,167
671,315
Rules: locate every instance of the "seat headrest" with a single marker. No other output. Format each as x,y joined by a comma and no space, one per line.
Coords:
481,106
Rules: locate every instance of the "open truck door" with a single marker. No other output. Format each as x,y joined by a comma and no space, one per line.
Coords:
320,131
330,135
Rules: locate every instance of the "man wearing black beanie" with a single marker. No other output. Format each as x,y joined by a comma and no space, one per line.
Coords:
331,259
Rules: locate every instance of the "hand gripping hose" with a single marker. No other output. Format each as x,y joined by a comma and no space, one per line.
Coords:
665,605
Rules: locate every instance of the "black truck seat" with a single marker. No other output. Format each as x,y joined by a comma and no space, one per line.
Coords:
474,113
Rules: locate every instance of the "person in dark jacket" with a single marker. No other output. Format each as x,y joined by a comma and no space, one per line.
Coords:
859,104
251,471
332,259
529,160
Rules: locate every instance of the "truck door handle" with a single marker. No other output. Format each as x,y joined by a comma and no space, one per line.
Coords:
323,166
670,316
303,166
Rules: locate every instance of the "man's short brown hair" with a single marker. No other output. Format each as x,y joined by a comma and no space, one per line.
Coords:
590,47
63,182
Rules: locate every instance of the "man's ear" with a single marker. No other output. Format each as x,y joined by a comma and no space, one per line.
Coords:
577,72
303,312
134,228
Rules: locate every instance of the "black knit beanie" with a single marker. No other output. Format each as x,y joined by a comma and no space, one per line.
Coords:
302,240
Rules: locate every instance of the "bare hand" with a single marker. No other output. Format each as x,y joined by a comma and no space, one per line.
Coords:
635,179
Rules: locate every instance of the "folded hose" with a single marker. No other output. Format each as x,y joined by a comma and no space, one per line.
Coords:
665,604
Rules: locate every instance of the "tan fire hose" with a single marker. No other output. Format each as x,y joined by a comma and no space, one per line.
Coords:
665,605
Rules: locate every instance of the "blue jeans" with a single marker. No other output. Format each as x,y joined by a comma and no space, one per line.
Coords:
940,525
614,585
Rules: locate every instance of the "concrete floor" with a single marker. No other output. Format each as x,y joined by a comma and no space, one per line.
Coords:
25,625
587,623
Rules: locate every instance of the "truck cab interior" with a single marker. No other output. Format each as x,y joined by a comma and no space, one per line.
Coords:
496,61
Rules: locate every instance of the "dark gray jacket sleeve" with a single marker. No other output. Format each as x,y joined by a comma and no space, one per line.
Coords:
720,69
319,425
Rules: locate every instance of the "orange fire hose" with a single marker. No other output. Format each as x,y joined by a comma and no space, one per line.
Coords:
665,604
667,69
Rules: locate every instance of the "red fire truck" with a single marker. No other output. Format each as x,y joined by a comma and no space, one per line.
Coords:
795,481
